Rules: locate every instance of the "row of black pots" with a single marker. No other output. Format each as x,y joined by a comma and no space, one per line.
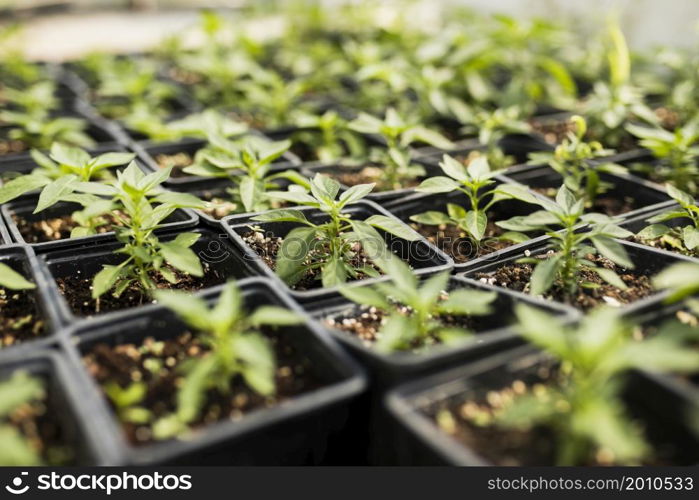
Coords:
384,369
660,408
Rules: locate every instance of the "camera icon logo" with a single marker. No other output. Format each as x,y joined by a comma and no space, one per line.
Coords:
16,487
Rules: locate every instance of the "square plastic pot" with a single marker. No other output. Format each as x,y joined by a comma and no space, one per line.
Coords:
148,150
647,196
419,203
296,432
22,260
214,249
180,219
647,260
421,255
636,224
105,136
653,316
495,334
66,403
419,441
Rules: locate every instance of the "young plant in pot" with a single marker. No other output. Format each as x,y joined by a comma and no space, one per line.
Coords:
29,435
676,153
394,166
491,127
332,251
28,124
613,104
64,164
573,410
326,138
406,315
245,166
469,223
158,130
139,207
574,160
234,376
682,235
237,358
581,268
123,85
19,314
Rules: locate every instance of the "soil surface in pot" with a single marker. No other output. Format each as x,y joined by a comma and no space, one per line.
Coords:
516,276
37,422
465,418
366,322
667,242
455,243
603,204
369,174
157,364
8,147
178,161
19,317
77,291
267,247
56,228
223,206
553,131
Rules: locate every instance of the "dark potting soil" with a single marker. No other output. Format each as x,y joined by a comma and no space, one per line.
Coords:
371,174
516,276
603,204
267,247
8,147
56,228
19,317
669,118
552,131
178,162
467,418
667,242
157,365
455,243
37,422
366,322
77,291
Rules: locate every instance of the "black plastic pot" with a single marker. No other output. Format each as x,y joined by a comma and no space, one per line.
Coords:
647,196
4,234
148,150
22,260
648,261
387,369
654,316
419,441
636,224
311,169
422,256
66,402
105,135
216,252
180,219
419,203
296,432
